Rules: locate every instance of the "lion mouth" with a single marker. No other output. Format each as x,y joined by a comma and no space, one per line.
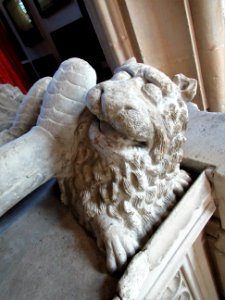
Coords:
109,131
106,131
106,128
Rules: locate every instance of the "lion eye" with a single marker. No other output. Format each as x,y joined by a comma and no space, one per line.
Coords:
128,107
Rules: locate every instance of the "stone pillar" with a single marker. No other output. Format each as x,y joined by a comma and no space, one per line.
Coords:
109,24
208,21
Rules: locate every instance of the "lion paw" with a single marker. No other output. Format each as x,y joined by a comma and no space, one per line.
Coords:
183,180
119,244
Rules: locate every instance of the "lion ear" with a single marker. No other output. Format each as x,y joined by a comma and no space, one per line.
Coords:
130,66
187,86
129,61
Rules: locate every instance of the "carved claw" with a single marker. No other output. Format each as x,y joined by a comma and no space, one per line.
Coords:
182,182
119,246
118,243
185,176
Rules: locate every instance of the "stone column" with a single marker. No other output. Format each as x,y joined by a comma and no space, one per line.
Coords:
208,21
110,25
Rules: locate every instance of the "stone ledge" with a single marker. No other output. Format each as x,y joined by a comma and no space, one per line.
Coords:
205,144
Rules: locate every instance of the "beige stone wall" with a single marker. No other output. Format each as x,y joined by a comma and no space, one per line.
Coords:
176,36
163,36
162,44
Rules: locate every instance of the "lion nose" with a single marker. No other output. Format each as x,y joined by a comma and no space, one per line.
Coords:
93,99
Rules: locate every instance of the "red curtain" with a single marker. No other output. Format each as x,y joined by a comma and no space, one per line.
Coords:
11,70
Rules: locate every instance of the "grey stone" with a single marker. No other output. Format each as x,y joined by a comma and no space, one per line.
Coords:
45,254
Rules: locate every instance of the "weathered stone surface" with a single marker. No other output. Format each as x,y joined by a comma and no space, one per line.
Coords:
126,170
45,254
10,99
33,158
27,112
117,160
205,144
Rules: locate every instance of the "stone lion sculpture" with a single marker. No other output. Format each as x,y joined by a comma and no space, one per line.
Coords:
127,167
119,151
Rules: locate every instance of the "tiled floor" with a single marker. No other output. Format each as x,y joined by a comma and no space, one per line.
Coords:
45,254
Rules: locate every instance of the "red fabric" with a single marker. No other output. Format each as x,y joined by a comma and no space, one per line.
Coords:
11,70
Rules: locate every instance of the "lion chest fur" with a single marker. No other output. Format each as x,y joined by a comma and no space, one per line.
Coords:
130,188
